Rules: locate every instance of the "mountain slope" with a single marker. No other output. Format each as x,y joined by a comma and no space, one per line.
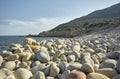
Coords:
109,12
94,22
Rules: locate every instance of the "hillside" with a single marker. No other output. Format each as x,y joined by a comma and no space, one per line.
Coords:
95,22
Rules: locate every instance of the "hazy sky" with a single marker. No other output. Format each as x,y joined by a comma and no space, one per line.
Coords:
22,17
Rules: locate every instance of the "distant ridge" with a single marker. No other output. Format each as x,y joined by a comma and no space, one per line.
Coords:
110,12
94,22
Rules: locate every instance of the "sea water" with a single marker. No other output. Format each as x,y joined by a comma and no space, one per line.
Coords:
6,41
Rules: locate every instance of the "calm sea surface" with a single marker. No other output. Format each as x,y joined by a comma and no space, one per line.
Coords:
6,41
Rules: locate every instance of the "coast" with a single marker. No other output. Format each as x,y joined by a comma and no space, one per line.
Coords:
95,56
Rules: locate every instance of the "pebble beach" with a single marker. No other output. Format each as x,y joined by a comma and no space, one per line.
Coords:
89,57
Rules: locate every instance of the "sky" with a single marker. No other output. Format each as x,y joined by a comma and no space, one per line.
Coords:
23,17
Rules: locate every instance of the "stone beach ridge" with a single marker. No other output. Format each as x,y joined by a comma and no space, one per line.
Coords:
89,57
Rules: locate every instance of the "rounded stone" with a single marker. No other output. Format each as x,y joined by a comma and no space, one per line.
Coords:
29,41
59,46
37,68
47,70
73,66
71,58
76,48
116,76
114,55
24,65
34,47
54,70
39,75
35,63
12,57
10,77
101,50
118,65
76,75
51,52
108,63
16,47
87,59
57,54
77,54
96,76
60,41
28,48
90,50
63,66
27,56
96,67
1,60
65,74
6,74
43,42
96,41
43,56
17,63
101,56
21,55
63,58
48,44
48,77
29,63
22,73
18,50
109,72
94,58
9,65
87,68
33,57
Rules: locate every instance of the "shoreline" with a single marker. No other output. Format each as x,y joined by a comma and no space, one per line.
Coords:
94,55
